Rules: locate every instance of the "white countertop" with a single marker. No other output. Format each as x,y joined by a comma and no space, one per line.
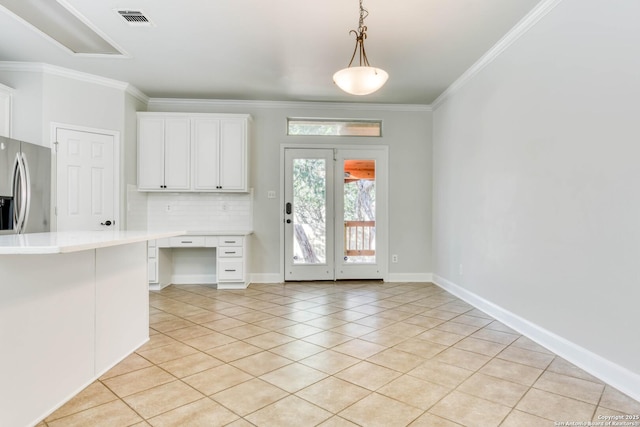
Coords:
218,233
74,241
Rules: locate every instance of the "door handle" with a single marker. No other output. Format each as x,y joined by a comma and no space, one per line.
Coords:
107,223
288,208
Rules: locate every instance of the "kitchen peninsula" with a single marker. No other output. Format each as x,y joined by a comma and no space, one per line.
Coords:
72,305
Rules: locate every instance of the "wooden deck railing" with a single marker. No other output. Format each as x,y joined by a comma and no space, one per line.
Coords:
359,238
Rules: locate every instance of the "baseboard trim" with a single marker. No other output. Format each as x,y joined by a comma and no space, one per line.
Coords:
266,278
157,286
231,286
611,373
410,277
393,277
193,279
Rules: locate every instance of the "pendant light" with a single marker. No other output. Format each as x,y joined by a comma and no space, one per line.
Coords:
362,79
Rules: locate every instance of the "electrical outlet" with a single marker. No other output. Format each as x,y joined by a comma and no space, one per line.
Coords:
168,208
394,258
271,194
225,206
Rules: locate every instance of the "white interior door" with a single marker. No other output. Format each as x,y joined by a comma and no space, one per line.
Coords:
85,180
335,214
308,214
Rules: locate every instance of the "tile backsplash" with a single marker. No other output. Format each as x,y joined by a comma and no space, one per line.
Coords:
136,208
199,211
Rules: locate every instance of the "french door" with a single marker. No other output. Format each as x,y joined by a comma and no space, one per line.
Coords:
335,215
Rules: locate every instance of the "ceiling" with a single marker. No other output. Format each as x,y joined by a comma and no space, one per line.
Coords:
278,50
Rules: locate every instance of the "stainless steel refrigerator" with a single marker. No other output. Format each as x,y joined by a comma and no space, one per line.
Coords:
25,187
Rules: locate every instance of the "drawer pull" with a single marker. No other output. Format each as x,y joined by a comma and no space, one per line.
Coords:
229,252
230,271
187,241
229,241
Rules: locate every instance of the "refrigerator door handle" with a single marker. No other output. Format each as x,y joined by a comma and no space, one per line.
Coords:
17,216
19,194
26,182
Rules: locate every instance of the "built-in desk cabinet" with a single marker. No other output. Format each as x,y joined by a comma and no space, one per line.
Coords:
193,152
230,261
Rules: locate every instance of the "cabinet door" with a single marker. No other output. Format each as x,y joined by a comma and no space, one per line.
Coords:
206,141
177,155
5,110
150,153
233,157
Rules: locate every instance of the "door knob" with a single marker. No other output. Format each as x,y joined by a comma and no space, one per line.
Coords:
107,223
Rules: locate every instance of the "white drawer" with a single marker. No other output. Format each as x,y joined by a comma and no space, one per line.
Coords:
230,251
230,270
152,244
187,242
230,241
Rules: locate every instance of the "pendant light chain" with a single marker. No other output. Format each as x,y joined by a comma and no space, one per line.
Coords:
361,35
363,14
362,79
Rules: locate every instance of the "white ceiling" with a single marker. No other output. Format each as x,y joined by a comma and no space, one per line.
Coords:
280,50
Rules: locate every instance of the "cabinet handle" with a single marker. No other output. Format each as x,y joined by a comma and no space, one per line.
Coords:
230,271
187,241
230,252
229,241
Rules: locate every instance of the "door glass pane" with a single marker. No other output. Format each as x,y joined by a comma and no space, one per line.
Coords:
309,211
359,211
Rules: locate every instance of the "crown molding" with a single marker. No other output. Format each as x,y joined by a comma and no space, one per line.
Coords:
38,67
288,104
521,28
137,93
6,89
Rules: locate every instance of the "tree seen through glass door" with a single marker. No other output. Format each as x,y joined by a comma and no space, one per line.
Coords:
309,211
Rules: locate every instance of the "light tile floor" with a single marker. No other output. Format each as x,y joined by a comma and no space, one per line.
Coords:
336,354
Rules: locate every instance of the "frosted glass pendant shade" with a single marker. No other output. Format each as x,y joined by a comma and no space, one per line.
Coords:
360,80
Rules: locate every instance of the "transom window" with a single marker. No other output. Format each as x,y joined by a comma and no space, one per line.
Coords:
334,127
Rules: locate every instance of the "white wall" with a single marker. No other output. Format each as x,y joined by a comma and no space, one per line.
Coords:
407,132
536,185
45,94
75,102
133,202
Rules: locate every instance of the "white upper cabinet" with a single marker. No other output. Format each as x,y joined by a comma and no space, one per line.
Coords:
197,152
233,156
177,154
163,153
5,110
206,157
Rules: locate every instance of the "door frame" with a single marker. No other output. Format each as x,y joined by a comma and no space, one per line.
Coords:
54,168
383,245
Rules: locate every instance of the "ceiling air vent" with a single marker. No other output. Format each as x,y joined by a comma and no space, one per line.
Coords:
135,17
